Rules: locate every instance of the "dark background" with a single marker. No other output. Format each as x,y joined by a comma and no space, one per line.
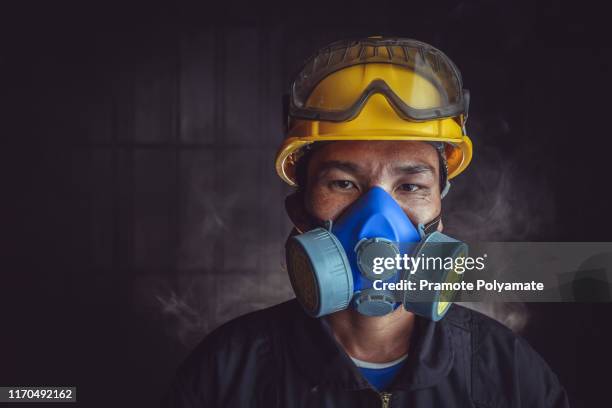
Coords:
140,208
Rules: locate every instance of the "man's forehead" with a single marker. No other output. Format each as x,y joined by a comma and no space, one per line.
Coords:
364,155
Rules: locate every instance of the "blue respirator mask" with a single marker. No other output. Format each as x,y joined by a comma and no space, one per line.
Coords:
338,266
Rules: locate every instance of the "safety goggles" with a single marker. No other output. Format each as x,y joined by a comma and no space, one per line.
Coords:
418,70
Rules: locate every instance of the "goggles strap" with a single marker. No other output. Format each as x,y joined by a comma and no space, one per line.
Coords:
445,189
466,101
444,183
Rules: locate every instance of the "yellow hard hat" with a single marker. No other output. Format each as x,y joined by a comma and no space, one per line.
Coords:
377,89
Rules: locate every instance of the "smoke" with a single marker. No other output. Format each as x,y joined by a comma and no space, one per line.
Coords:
184,321
497,201
203,301
230,256
499,198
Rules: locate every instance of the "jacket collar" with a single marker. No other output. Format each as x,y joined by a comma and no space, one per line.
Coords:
326,364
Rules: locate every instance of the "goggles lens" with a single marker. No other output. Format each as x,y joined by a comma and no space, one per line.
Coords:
419,81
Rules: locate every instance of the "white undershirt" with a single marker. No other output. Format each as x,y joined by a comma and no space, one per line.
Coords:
367,364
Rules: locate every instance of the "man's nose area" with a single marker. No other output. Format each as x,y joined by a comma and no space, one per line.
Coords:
386,187
383,192
373,191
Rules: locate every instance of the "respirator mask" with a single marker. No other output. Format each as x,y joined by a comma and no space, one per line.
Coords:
339,265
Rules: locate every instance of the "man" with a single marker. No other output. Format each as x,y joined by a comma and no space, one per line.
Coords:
376,128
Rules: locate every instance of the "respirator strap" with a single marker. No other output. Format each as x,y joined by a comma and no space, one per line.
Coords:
432,225
444,192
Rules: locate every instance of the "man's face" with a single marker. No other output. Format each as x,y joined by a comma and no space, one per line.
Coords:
340,172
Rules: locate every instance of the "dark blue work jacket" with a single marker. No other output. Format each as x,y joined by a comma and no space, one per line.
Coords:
281,357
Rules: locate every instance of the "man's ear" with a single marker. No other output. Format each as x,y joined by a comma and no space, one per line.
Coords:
294,205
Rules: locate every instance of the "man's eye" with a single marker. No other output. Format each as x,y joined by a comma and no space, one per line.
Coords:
342,184
408,187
